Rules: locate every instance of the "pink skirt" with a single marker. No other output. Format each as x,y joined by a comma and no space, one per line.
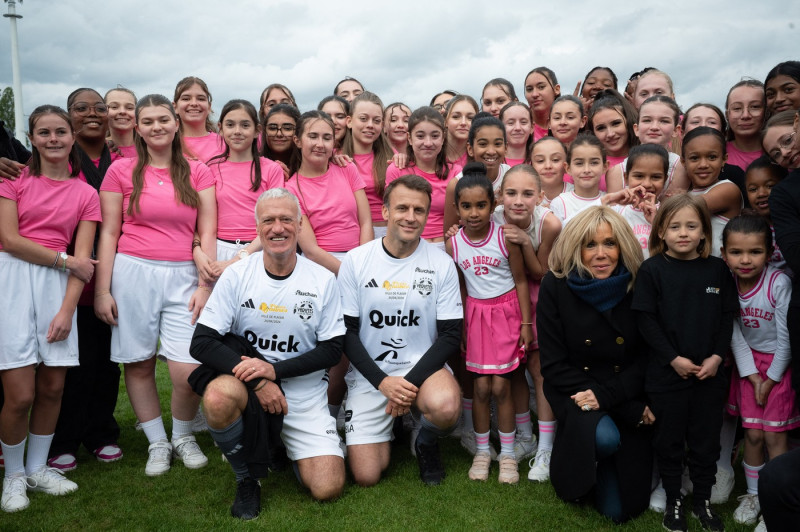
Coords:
493,334
778,415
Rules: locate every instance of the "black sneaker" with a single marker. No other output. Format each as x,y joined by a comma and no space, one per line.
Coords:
674,520
431,470
247,503
708,517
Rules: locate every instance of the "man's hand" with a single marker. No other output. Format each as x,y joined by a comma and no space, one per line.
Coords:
400,393
253,368
271,399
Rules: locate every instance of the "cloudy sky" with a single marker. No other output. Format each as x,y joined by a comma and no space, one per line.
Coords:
404,51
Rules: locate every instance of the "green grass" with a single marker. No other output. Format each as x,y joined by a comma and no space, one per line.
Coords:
119,496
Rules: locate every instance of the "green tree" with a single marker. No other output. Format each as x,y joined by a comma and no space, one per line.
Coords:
7,107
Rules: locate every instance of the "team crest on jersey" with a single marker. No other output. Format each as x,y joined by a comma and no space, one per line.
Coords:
424,286
304,310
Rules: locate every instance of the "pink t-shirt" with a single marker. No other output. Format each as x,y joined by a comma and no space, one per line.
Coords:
461,161
128,152
48,210
539,132
203,148
236,201
162,228
740,158
363,164
514,162
329,202
434,228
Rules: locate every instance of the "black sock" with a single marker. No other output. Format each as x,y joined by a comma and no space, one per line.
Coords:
229,441
429,433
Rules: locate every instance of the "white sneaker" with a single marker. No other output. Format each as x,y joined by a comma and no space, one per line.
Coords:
480,466
52,481
658,499
722,487
15,497
187,451
468,443
761,526
199,423
748,510
540,466
159,456
525,447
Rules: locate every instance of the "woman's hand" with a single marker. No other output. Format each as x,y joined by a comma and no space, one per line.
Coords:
515,235
82,268
400,160
451,232
647,417
684,367
762,392
198,301
105,308
9,169
586,400
207,269
525,337
709,367
60,327
340,159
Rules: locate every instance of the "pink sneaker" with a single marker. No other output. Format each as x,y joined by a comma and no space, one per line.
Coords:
63,462
108,453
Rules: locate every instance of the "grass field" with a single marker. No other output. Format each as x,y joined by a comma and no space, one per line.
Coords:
119,496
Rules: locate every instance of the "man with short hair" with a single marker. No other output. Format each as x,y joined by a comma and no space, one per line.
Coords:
272,326
403,312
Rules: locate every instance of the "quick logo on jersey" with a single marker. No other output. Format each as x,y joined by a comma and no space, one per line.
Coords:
378,320
272,344
393,346
249,304
371,284
712,290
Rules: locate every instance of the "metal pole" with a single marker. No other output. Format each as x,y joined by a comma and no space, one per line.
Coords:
19,120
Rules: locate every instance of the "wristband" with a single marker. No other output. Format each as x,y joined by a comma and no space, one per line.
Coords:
64,257
195,243
263,383
55,262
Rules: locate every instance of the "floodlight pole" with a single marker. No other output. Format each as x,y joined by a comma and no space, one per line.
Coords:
19,120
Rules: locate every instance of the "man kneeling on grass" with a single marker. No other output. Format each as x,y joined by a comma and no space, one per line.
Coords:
284,312
403,311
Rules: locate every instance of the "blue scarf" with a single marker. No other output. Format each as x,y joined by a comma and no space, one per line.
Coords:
602,294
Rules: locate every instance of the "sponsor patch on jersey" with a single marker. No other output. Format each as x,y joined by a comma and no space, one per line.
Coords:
249,304
712,290
423,286
371,284
304,310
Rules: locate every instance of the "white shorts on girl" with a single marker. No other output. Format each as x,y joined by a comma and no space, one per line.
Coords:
152,299
310,433
32,296
227,251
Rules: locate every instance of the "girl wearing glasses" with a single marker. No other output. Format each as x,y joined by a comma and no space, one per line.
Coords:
781,141
192,102
277,142
744,108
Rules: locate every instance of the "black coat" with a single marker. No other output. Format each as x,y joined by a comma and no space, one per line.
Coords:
582,349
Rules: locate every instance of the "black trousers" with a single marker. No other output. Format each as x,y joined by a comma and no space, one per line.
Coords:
90,391
690,417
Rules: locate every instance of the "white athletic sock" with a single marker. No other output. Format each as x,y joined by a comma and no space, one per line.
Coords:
181,428
154,430
524,425
38,449
466,415
507,442
751,476
547,431
14,456
482,442
727,439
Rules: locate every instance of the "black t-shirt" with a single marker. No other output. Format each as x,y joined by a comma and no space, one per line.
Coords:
687,309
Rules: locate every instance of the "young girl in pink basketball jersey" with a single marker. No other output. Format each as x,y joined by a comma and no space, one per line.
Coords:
498,325
761,392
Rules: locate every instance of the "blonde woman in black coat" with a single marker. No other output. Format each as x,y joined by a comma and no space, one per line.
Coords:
593,364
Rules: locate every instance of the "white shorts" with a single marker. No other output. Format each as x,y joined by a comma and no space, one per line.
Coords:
310,433
339,255
365,418
153,304
226,250
32,296
380,231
